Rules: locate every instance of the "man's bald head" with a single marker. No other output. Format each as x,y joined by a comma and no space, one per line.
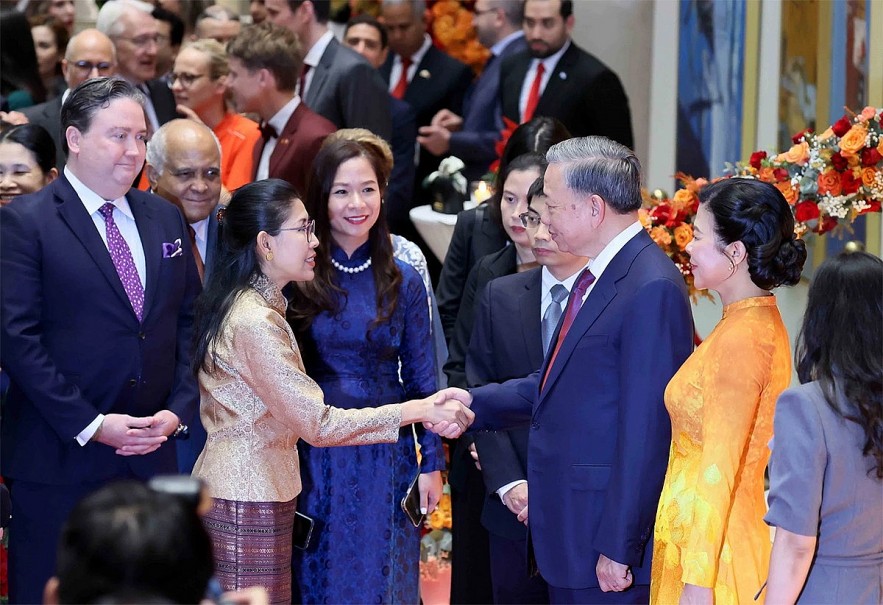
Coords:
184,166
90,54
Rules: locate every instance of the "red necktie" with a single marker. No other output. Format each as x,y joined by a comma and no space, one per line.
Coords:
303,79
573,306
533,97
399,91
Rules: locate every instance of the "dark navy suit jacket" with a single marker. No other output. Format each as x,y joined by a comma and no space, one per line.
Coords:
599,431
506,343
400,191
72,345
476,143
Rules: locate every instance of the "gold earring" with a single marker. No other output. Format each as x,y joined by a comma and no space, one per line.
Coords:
269,256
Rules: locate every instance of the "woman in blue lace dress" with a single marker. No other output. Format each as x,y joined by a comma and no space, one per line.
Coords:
363,325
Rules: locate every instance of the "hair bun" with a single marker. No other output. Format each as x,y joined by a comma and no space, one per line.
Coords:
789,261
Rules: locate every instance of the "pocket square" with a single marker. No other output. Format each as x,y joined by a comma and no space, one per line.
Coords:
173,249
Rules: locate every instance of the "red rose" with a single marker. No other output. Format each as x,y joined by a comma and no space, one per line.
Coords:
870,156
874,207
661,214
849,183
839,162
826,224
780,174
842,126
799,136
806,211
756,158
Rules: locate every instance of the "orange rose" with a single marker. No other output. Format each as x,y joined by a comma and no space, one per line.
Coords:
644,217
798,154
880,145
683,235
661,236
869,175
766,175
682,199
866,114
829,182
853,141
788,191
826,135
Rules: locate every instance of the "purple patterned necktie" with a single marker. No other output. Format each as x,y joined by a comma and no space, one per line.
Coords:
121,255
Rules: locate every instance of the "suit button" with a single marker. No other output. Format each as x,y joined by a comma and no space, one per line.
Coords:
133,383
142,335
534,425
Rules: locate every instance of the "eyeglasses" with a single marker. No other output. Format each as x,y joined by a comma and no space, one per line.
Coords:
145,39
309,229
86,67
530,220
187,80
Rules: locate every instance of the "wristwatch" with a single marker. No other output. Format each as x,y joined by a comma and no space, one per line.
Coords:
181,432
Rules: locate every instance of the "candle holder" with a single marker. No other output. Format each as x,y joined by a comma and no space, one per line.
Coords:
480,191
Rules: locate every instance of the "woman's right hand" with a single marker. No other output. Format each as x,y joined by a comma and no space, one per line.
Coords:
448,418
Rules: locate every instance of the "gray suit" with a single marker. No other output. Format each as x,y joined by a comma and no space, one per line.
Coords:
48,115
348,91
820,486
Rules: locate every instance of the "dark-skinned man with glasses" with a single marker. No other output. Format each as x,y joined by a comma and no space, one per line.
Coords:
89,54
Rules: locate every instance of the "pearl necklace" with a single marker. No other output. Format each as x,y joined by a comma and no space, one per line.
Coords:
358,269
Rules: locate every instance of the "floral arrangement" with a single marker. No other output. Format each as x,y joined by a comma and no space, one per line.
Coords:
670,224
829,178
451,28
437,541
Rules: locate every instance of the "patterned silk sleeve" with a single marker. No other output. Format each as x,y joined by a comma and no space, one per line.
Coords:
417,361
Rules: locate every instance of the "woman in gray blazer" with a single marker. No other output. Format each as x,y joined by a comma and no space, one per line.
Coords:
826,493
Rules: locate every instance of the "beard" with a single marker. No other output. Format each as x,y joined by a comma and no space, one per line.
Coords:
540,49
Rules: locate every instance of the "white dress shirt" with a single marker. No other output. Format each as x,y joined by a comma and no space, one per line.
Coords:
600,262
313,57
396,72
549,64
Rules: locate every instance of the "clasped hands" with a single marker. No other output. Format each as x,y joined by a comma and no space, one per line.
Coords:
451,415
136,436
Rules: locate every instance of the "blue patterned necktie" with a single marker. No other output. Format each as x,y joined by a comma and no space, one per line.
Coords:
121,255
552,315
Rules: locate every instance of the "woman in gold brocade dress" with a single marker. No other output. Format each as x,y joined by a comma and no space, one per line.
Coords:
711,544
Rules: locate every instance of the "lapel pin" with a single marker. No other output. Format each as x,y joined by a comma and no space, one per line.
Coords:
283,141
424,73
562,75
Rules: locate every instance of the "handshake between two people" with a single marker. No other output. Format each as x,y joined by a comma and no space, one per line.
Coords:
446,413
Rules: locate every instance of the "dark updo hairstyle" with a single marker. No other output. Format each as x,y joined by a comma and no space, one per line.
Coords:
840,344
757,214
35,139
259,206
127,540
535,136
323,293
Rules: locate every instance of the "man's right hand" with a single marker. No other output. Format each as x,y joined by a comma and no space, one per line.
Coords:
127,434
448,120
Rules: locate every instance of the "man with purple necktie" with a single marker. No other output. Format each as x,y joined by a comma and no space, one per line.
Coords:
97,284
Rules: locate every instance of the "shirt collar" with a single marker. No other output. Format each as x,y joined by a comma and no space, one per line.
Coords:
282,116
548,280
417,57
550,62
201,229
270,291
315,53
613,247
498,48
91,200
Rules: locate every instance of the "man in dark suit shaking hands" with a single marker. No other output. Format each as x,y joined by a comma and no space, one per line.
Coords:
599,431
98,285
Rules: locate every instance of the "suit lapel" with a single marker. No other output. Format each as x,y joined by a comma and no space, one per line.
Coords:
531,328
74,214
286,138
603,292
557,88
151,240
321,73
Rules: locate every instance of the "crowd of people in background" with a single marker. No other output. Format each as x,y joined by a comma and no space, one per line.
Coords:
208,267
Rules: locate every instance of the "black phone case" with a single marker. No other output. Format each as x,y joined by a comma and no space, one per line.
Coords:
303,531
411,503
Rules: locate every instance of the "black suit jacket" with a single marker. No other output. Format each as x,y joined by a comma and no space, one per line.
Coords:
440,82
163,100
48,115
72,345
583,93
400,192
347,90
497,264
475,235
506,343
